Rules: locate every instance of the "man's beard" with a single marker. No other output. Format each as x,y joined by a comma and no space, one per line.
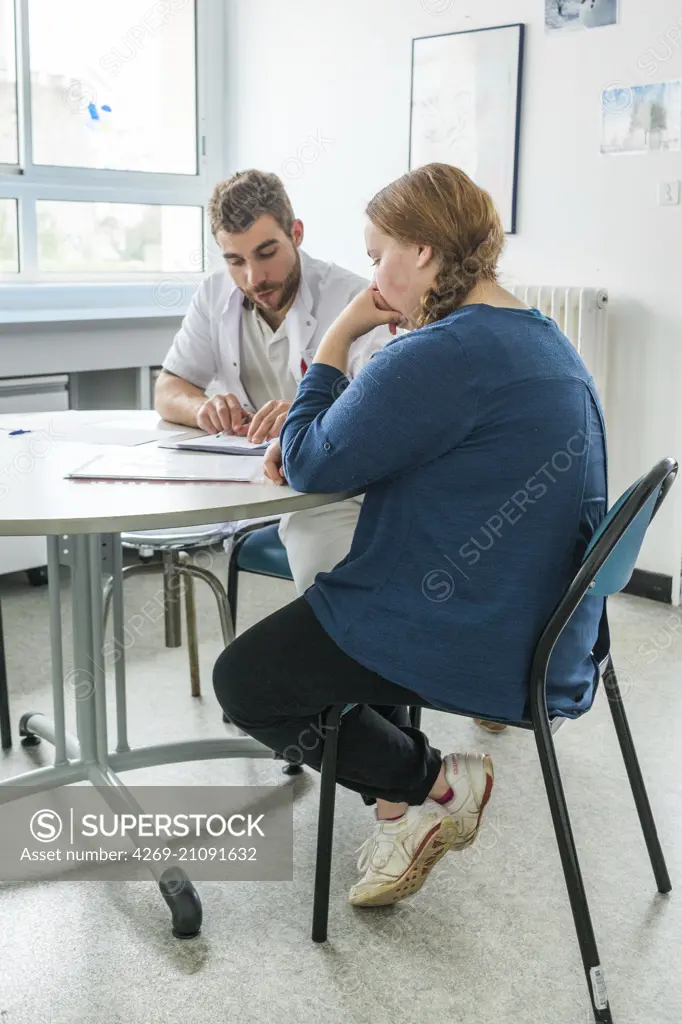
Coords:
289,289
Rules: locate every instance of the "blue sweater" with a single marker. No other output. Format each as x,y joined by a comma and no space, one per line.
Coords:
480,443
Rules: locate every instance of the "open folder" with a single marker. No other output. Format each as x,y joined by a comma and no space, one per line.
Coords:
153,464
224,444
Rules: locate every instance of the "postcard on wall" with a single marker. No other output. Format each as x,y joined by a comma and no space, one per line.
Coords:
568,15
642,118
466,108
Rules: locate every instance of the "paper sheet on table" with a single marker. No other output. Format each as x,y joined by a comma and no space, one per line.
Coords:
155,464
113,433
229,444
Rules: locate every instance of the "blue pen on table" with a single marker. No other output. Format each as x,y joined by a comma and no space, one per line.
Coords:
13,433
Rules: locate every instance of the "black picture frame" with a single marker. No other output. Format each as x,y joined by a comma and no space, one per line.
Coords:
511,221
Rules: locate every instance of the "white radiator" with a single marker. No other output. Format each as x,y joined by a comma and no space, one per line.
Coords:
582,314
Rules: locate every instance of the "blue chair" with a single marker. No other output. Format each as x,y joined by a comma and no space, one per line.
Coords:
257,549
606,569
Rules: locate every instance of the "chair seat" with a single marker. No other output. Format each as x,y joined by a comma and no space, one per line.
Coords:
178,537
525,723
262,552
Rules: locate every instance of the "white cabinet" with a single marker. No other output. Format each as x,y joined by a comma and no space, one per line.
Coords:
19,553
34,394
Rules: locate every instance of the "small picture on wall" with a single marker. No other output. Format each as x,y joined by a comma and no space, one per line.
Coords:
642,118
567,15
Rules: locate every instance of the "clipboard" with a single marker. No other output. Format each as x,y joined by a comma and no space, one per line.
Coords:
155,465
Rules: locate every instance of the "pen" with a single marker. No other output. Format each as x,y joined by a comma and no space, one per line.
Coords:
12,433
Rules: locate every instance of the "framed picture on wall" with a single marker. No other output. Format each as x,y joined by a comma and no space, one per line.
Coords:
466,108
567,15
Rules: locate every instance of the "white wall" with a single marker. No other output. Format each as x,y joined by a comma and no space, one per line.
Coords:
335,80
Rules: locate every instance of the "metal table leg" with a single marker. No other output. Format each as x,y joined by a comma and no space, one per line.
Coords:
5,724
119,643
33,725
54,592
87,758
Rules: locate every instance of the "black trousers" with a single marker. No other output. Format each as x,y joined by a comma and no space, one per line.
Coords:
276,680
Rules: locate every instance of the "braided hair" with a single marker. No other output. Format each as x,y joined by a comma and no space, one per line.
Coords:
440,206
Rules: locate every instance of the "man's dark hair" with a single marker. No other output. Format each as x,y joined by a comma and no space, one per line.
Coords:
239,201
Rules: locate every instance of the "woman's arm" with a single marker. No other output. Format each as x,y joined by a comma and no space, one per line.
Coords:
412,402
365,313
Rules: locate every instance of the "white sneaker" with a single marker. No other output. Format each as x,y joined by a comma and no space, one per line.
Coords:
471,777
397,857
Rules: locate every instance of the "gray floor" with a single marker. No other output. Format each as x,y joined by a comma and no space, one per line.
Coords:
488,941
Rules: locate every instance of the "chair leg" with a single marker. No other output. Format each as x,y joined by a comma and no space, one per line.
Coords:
574,882
233,589
225,611
639,792
232,596
5,721
192,640
171,602
233,568
138,569
218,589
416,717
325,823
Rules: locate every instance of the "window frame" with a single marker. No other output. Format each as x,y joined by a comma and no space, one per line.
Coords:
27,183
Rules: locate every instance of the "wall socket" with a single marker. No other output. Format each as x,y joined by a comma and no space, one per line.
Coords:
669,193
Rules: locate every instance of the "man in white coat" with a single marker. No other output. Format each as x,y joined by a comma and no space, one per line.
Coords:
251,333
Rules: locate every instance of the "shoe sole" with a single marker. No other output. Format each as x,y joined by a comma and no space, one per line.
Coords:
489,726
434,846
489,782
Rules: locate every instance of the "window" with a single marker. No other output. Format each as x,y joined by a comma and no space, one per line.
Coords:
105,162
118,238
115,91
8,86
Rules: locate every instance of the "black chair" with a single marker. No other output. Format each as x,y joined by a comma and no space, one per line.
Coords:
257,549
606,569
5,724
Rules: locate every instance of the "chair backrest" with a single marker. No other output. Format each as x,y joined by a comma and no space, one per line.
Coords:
612,552
607,566
616,571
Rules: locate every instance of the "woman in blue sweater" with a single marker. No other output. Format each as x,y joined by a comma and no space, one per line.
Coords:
478,440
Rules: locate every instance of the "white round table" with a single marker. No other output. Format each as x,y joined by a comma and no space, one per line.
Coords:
82,522
35,499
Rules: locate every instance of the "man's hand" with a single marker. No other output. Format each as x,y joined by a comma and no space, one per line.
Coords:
223,412
272,464
268,421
